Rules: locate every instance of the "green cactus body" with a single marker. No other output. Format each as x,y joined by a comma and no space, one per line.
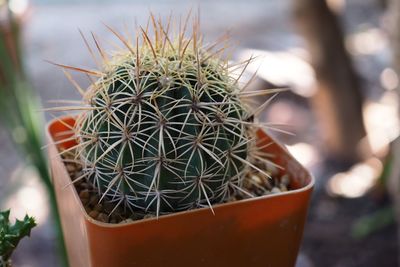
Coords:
164,130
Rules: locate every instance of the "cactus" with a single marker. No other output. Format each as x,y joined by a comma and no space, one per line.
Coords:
164,128
10,235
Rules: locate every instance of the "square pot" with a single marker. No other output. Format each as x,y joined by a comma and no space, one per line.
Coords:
262,231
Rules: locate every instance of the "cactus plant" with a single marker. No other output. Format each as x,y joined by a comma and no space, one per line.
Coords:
165,127
10,235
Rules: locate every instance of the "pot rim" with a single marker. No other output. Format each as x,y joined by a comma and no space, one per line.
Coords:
215,207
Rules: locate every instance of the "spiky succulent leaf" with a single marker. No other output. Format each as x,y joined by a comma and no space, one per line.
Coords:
11,234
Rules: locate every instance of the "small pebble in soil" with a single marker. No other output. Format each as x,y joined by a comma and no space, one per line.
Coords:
93,214
102,217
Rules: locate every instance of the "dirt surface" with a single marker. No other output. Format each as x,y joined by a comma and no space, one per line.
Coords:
106,210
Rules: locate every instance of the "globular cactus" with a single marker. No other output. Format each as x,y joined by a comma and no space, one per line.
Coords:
165,128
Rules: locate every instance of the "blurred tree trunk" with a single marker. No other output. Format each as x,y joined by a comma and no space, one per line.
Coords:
338,101
394,22
393,184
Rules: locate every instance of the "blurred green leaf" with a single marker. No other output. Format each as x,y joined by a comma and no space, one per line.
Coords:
373,222
20,110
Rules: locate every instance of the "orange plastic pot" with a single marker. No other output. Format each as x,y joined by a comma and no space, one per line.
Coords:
263,231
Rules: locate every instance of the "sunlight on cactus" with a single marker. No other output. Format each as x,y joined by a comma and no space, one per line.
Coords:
165,127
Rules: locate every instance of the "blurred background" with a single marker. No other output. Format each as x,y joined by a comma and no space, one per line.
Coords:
340,59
